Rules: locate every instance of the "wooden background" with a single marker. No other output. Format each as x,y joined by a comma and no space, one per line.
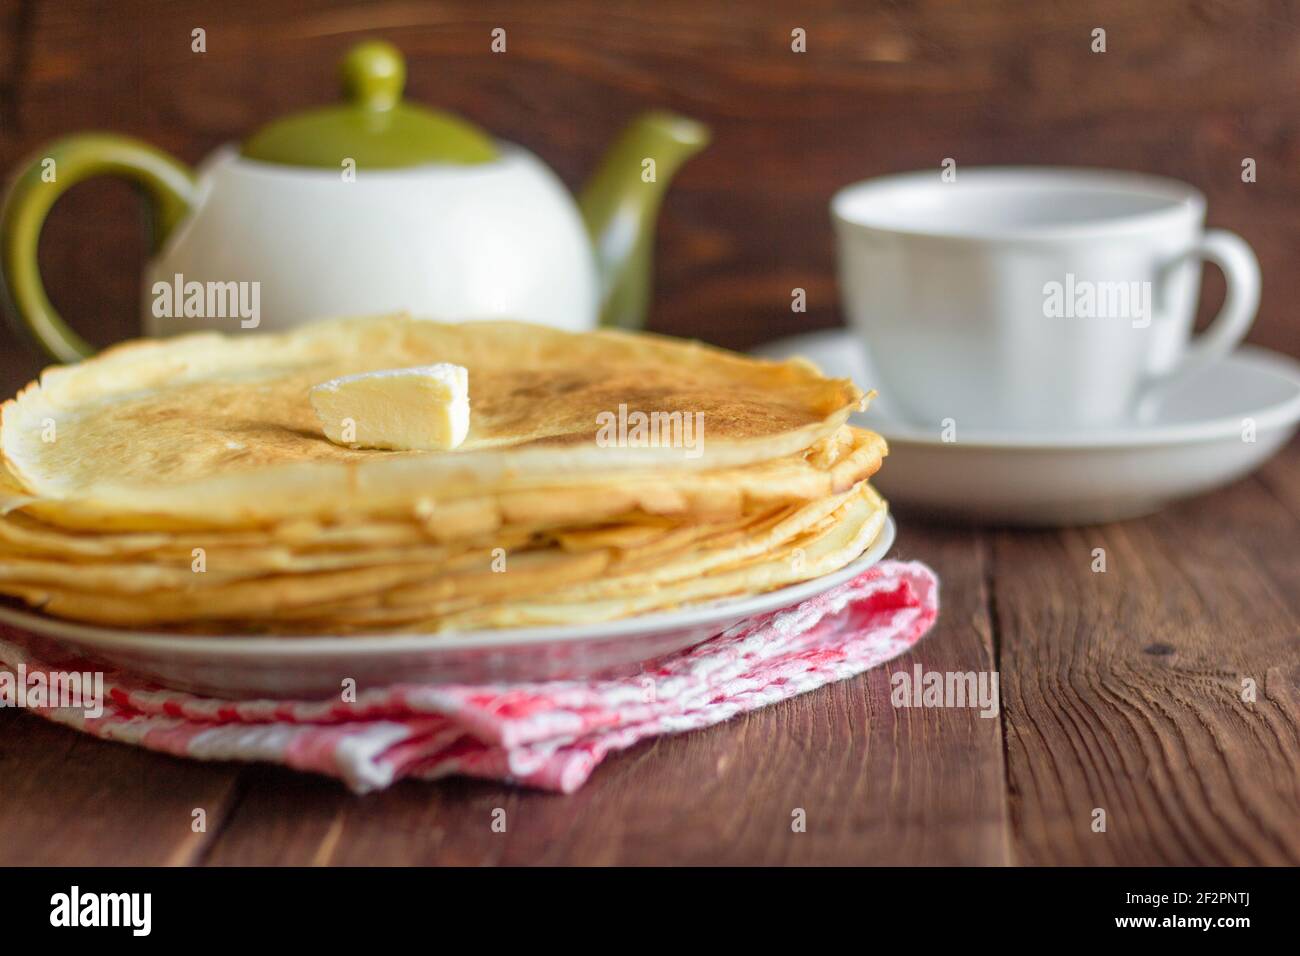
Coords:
1187,88
1119,690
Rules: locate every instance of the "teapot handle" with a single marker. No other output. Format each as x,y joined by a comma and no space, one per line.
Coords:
170,186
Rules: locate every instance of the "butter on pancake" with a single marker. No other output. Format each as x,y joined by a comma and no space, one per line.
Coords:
425,408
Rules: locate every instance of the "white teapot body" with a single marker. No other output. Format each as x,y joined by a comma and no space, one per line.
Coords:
498,240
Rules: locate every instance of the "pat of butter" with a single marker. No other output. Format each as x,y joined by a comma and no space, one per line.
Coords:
401,409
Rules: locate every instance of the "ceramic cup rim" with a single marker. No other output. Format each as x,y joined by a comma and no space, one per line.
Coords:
1180,202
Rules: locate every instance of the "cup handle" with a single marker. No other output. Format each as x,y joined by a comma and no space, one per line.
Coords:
1233,255
169,185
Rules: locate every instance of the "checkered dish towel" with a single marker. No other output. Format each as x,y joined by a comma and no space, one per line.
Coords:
550,734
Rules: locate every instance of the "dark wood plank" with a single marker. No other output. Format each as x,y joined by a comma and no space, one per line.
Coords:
1123,690
16,362
878,785
1282,477
68,799
13,35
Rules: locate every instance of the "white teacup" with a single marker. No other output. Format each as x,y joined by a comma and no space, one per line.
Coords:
1034,297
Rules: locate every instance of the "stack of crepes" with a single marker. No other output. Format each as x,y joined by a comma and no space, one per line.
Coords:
186,485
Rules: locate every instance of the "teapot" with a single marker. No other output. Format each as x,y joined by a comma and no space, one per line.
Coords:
372,205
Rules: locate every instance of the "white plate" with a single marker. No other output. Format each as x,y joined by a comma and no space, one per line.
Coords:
1195,443
312,667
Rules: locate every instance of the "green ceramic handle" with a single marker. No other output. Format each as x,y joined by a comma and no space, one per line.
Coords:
54,170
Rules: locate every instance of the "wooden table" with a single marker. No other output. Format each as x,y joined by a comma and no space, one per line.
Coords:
1119,690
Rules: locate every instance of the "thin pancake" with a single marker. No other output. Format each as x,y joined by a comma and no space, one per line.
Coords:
218,429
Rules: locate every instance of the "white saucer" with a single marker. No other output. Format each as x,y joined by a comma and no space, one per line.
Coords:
313,667
1194,443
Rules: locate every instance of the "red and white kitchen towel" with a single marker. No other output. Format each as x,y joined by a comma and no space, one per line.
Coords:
549,734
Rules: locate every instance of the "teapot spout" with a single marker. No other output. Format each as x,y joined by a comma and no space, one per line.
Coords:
621,203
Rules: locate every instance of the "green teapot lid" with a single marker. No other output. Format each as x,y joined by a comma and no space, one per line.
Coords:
374,128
